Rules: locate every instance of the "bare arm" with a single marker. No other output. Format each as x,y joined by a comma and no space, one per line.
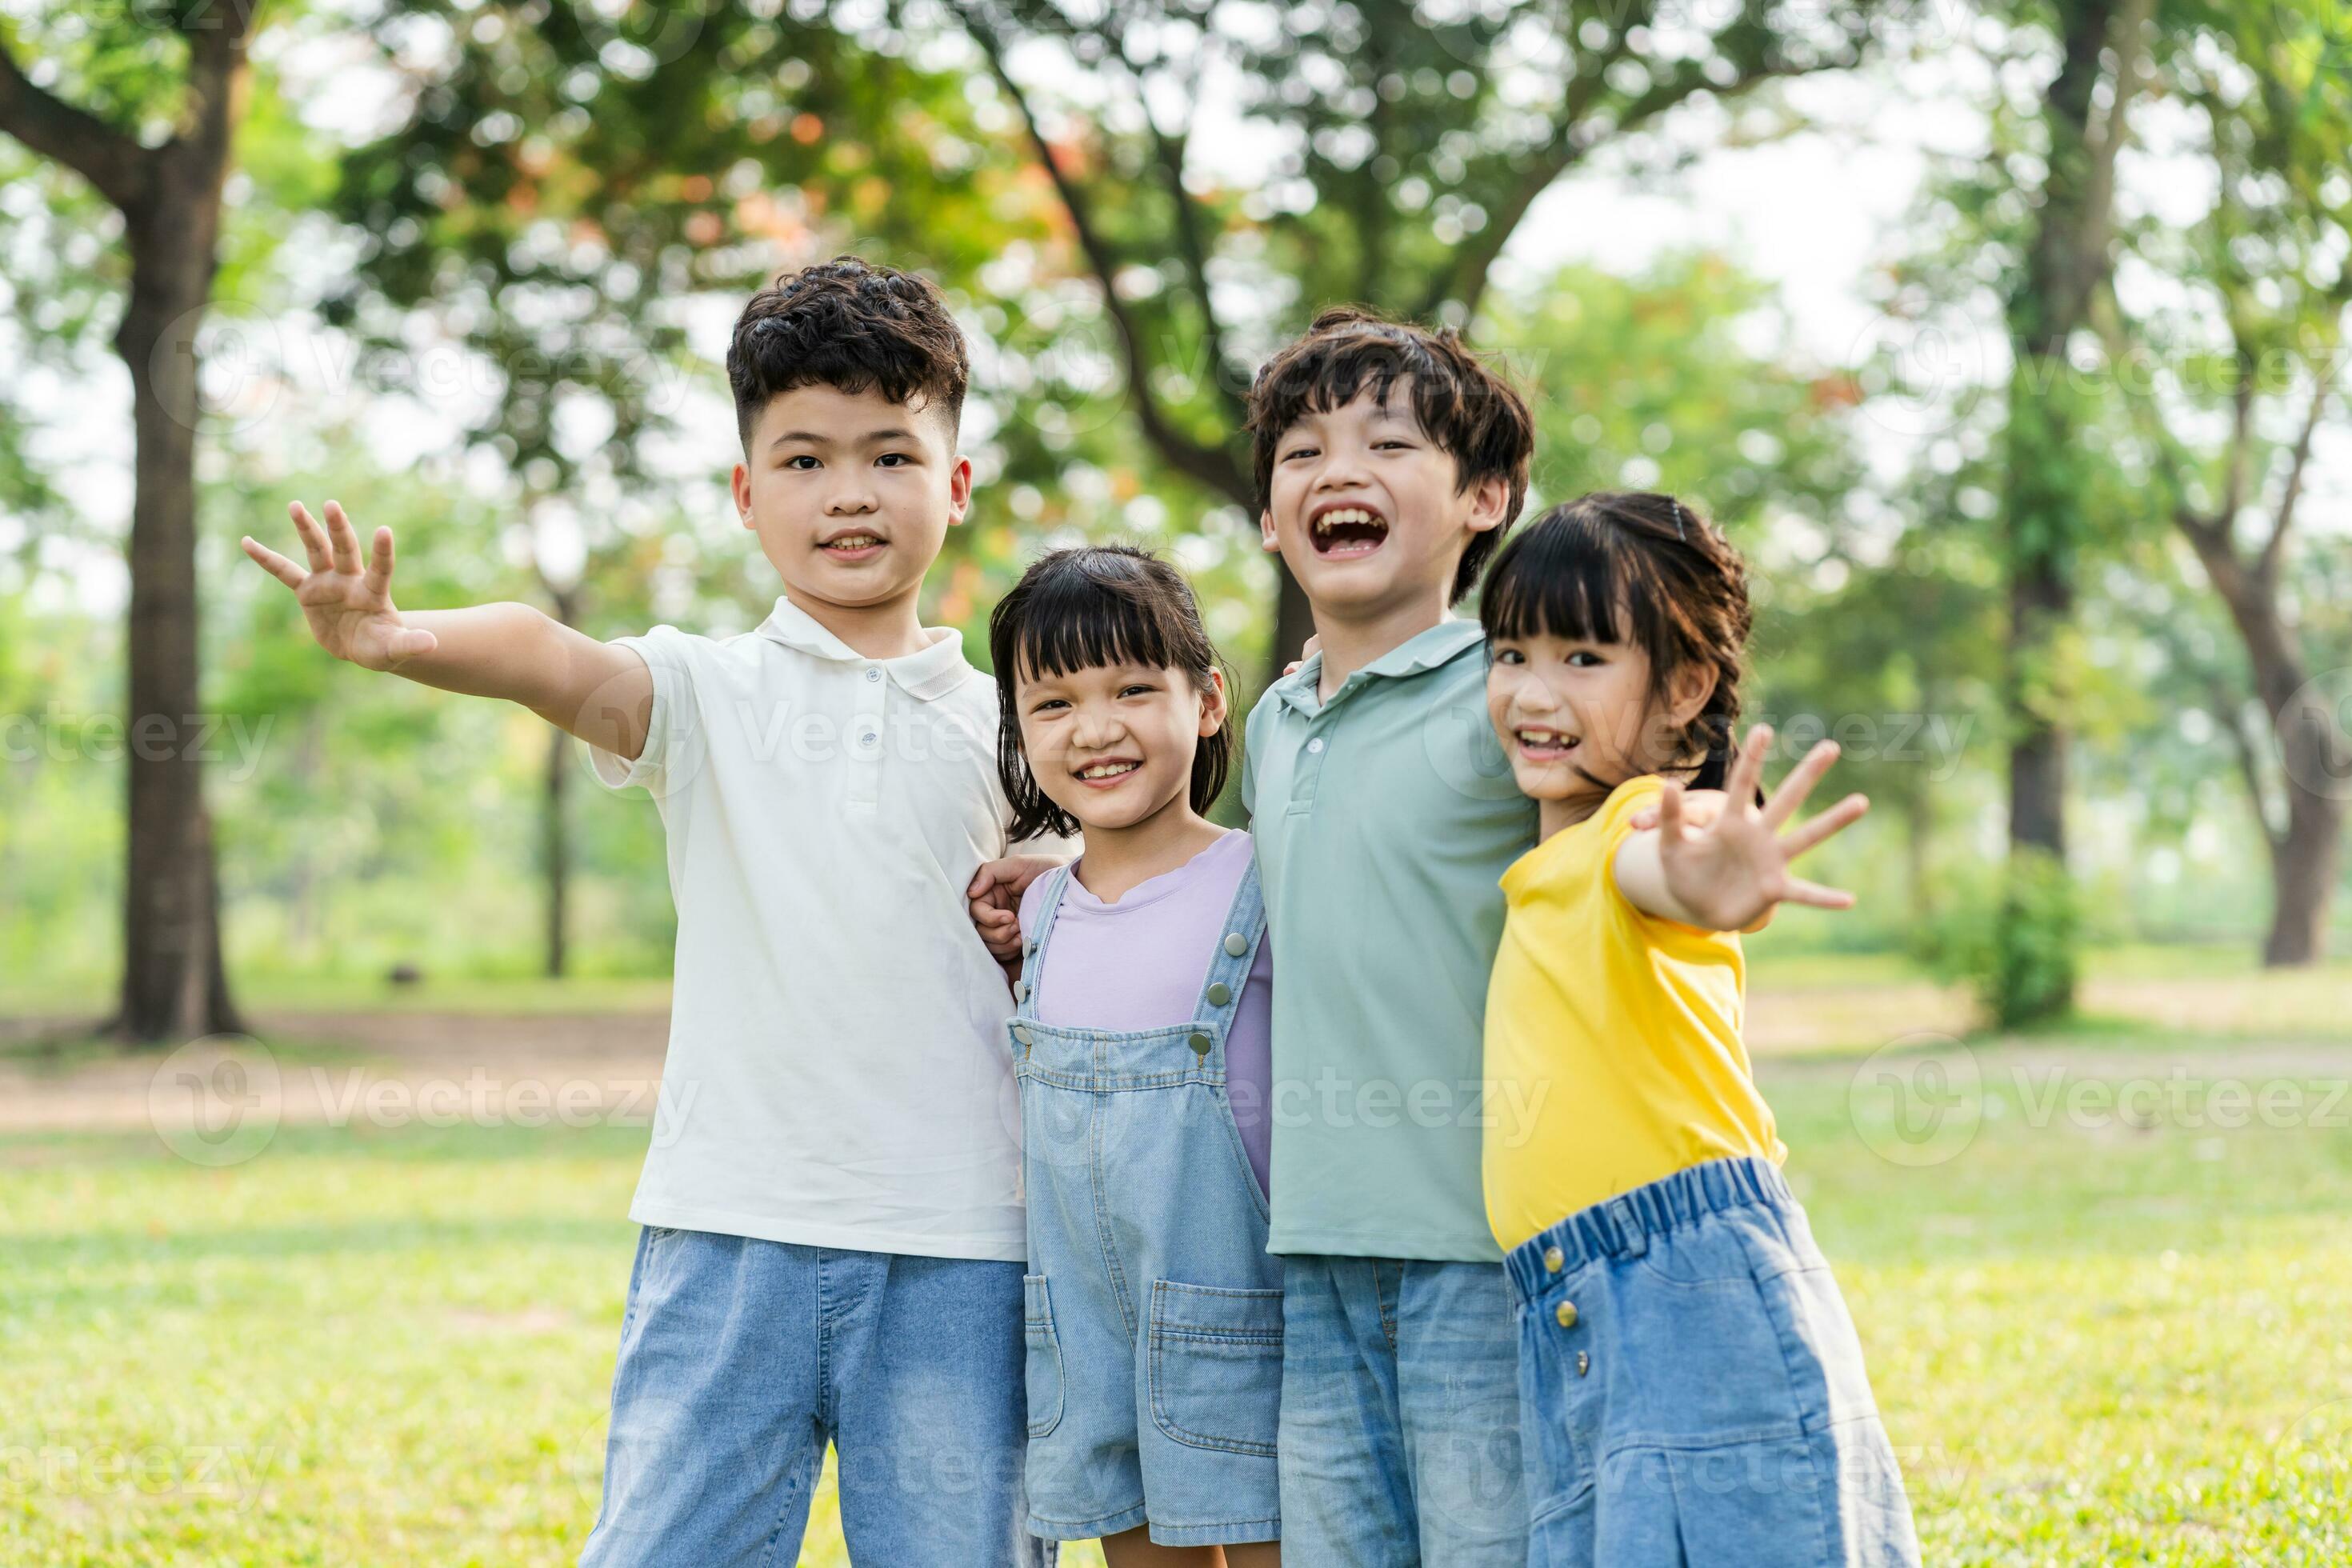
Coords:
1728,873
599,692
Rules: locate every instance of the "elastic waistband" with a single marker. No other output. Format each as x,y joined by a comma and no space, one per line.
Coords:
1622,1226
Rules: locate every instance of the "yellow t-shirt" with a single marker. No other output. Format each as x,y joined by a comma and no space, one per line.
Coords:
1613,1055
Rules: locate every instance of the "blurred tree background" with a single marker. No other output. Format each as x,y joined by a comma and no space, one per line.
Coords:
2057,549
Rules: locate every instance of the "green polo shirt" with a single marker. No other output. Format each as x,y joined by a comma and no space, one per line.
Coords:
1384,818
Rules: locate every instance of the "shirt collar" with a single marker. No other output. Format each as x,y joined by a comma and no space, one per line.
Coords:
1441,644
924,674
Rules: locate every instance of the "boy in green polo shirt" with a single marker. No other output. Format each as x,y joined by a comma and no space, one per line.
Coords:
1390,463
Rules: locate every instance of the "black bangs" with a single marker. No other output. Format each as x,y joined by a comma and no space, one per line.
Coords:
1566,575
1083,609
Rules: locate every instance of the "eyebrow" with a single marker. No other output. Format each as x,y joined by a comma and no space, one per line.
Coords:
871,438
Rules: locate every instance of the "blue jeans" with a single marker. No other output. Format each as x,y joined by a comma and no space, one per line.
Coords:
1694,1390
1400,1441
741,1358
1154,1314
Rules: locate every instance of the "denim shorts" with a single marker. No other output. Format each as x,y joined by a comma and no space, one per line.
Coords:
740,1359
1153,1314
1692,1389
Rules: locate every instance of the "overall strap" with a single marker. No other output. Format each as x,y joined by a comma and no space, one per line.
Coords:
1236,951
1033,948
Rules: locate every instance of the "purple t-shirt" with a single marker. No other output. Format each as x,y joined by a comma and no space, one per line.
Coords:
1141,963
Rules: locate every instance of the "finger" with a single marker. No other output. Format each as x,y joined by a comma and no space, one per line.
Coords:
342,540
1836,820
276,565
1821,898
1747,772
314,538
408,642
1784,801
1670,811
1643,820
379,571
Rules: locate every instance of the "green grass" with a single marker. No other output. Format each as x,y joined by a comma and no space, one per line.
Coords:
2095,1342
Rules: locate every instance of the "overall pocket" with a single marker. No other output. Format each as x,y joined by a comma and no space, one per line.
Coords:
1042,1376
1216,1366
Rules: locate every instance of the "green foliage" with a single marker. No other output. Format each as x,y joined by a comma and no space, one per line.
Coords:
2014,937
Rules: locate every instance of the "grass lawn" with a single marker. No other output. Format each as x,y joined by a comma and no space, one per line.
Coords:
2104,1330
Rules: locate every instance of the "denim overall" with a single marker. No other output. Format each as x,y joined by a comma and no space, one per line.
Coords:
1153,1314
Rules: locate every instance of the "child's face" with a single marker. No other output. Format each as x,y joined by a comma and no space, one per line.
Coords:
1577,718
851,494
1365,507
1113,744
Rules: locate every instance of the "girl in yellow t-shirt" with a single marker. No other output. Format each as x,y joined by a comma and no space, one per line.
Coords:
1692,1391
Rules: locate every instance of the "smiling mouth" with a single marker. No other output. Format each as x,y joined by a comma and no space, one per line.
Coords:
851,543
1346,533
1108,772
1541,745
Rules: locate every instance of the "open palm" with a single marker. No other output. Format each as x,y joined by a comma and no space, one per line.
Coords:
348,604
1731,869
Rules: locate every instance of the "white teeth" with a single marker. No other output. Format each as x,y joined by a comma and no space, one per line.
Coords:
854,541
1543,738
1106,770
1348,514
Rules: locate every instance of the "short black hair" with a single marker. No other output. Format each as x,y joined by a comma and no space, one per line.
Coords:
1083,608
851,324
1469,408
1639,568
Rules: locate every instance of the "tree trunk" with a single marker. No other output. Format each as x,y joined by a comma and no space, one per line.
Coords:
554,825
2314,755
174,983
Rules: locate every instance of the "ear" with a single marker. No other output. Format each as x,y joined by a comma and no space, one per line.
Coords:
1687,692
741,485
1214,709
1488,497
959,490
1265,533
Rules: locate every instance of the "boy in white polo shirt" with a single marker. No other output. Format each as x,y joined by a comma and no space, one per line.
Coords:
833,1235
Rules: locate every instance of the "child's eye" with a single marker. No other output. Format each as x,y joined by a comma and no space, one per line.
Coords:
1051,702
1507,656
894,459
1138,687
1585,658
1393,444
1299,452
795,461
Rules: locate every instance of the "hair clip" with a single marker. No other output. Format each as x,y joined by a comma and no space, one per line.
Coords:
1678,524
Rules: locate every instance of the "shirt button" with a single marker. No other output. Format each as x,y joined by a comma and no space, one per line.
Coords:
1553,1258
1220,993
1021,991
1021,1033
1315,745
868,739
1236,944
873,673
1200,1044
1583,1363
1566,1313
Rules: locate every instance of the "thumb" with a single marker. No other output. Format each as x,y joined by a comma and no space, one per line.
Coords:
411,642
1670,811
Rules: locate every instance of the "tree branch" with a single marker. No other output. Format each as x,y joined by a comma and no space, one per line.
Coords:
1211,466
2266,564
115,164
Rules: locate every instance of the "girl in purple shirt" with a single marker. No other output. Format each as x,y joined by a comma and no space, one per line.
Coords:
1153,1312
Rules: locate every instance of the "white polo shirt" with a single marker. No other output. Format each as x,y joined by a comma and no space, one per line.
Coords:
836,1074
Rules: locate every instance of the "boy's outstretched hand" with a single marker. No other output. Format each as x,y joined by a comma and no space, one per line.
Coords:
348,605
1725,873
